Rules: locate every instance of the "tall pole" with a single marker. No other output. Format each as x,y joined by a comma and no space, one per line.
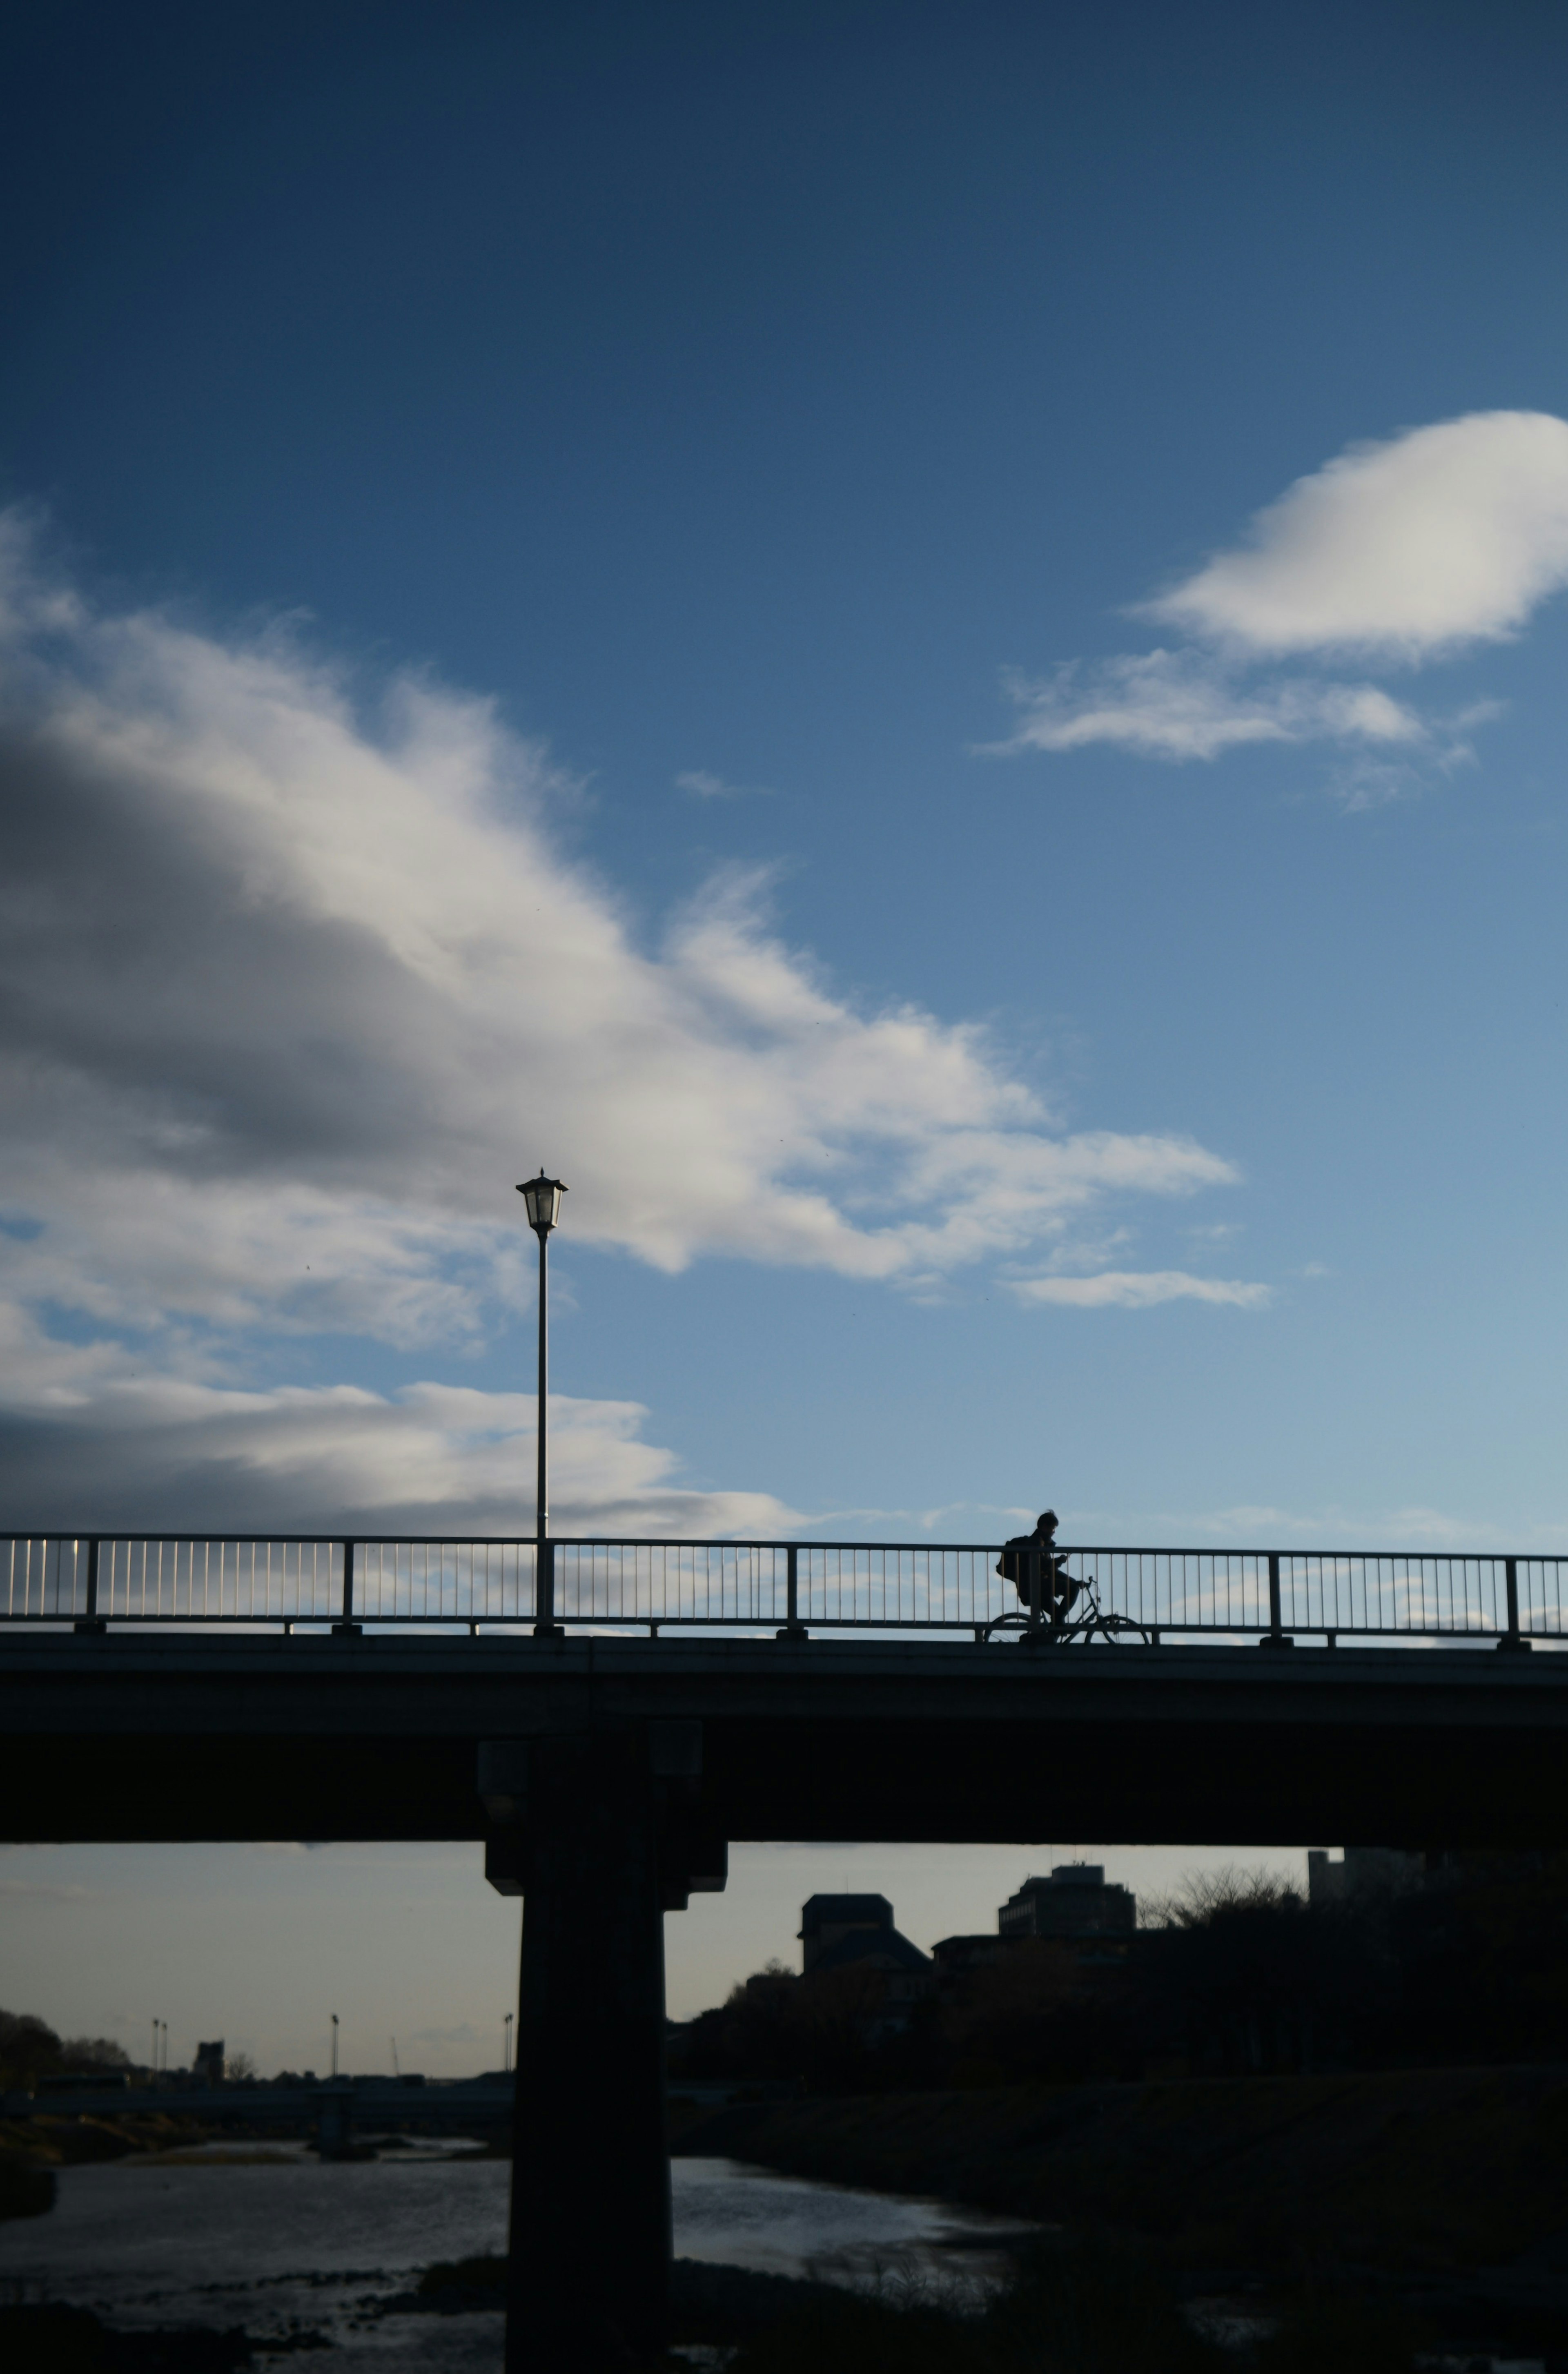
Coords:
542,1487
542,1197
543,1562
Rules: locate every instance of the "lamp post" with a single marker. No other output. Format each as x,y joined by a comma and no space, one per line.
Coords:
542,1200
507,2043
334,2044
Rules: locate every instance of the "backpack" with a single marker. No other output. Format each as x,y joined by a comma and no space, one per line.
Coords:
1010,1565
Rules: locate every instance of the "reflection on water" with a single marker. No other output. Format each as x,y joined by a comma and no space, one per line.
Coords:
273,2247
290,2243
749,2217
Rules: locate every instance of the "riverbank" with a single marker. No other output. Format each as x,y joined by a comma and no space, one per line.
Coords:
1419,2172
61,2139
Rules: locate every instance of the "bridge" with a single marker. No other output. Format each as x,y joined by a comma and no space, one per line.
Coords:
606,1718
332,2109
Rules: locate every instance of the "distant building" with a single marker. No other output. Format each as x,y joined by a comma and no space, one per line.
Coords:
1073,1907
954,1956
1363,1872
839,1931
209,2067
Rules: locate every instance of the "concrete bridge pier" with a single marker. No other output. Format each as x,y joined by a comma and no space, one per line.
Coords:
334,2122
600,1841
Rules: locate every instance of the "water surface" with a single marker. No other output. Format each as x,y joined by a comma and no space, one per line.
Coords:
295,2242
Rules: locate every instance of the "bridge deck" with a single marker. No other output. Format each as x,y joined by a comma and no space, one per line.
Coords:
457,2106
129,1735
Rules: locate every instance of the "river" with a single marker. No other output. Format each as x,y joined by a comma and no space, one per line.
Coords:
287,2242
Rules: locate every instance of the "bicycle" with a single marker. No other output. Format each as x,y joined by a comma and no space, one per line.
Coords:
1060,1632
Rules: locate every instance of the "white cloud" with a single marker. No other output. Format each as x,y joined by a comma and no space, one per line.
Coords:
95,1435
1443,535
1136,1289
1399,551
290,996
1183,704
291,1001
704,786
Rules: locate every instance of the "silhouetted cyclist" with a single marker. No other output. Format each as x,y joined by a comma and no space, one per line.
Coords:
1058,1588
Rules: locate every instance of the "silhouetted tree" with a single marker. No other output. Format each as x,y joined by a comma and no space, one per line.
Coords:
30,2049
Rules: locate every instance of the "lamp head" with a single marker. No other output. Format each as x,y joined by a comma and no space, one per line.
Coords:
541,1200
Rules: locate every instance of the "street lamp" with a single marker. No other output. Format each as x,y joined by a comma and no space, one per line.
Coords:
542,1200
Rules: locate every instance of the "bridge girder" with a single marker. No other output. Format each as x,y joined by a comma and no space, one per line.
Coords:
170,1735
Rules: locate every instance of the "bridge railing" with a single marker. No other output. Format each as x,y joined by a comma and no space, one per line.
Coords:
759,1586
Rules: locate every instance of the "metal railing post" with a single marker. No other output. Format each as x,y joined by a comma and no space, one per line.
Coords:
1033,1568
1276,1637
791,1629
90,1621
345,1623
1511,1639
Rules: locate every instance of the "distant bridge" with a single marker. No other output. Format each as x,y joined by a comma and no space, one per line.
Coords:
330,2110
175,1689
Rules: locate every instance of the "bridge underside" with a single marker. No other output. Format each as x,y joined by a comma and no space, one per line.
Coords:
173,1735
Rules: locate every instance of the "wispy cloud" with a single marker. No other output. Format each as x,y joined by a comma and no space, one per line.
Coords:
1395,553
1136,1289
704,786
99,1435
39,1891
1337,1527
1185,704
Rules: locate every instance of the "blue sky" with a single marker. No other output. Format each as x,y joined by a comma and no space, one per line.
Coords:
583,587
